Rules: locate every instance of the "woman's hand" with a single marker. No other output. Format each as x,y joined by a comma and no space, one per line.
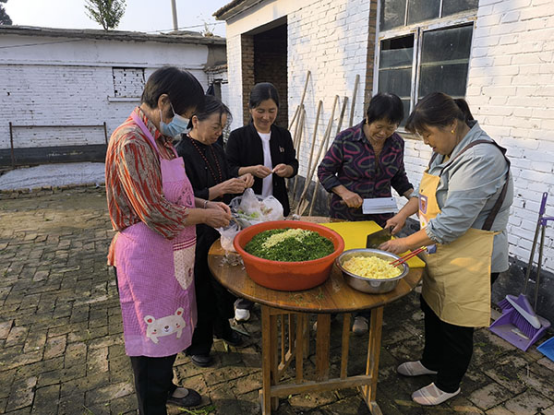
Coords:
219,205
260,171
352,199
233,186
248,180
282,170
397,223
396,246
217,216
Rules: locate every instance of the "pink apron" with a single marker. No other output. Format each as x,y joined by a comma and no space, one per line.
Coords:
156,275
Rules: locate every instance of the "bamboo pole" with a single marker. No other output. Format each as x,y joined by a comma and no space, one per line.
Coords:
326,138
300,201
354,100
297,145
341,117
296,113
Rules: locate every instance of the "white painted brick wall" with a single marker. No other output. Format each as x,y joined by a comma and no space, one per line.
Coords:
516,105
510,88
327,38
71,83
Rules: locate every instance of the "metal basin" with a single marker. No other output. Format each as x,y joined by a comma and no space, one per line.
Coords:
369,285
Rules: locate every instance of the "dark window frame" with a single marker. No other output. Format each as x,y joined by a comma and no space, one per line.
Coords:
417,30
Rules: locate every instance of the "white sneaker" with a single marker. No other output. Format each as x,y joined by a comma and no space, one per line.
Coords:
413,369
360,326
242,315
431,395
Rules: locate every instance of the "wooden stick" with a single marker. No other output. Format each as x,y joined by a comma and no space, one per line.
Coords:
354,100
342,112
326,137
294,118
297,145
306,184
301,100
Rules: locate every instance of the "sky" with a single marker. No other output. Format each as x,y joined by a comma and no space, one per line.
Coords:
140,15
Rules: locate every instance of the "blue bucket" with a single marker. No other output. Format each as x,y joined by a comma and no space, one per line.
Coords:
547,348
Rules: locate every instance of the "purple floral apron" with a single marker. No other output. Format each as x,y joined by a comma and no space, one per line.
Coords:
156,275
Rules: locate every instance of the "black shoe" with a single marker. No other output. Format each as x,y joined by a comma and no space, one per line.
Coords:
190,400
202,360
234,339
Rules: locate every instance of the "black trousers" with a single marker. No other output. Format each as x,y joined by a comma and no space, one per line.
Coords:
448,348
213,301
153,383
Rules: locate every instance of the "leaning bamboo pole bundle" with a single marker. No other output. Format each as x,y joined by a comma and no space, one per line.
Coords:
300,201
324,145
356,82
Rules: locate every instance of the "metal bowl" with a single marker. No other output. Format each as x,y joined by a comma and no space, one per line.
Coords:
365,284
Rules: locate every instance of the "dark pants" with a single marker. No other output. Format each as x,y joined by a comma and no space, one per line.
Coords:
214,303
448,348
153,383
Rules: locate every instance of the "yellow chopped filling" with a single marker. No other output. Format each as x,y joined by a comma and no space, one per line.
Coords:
371,267
297,233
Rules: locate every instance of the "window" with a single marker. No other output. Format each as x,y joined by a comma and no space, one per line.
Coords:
396,13
395,68
128,82
418,58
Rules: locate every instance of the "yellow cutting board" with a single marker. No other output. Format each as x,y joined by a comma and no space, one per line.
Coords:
355,236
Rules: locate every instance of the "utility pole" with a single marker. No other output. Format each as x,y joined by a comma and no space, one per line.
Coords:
174,12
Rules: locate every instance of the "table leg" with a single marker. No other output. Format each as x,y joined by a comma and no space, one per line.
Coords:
373,353
269,360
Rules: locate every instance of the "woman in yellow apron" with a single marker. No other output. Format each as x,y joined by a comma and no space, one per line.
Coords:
463,204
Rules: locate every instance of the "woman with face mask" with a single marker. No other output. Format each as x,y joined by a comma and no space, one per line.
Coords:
154,213
209,175
264,150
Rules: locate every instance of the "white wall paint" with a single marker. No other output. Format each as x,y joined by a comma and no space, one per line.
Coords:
71,82
510,88
327,38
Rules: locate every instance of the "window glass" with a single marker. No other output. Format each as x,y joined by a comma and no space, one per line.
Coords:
393,13
395,69
420,10
455,6
444,61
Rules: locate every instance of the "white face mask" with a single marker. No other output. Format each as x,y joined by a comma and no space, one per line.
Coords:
177,126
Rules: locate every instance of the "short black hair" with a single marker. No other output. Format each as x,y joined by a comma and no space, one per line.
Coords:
385,106
435,110
181,86
212,105
261,92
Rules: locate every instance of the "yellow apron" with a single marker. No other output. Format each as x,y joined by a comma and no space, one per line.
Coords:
456,284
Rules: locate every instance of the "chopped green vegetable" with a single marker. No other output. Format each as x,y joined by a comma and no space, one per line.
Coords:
308,245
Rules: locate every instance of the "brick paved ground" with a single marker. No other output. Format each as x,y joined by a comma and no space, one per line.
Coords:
61,347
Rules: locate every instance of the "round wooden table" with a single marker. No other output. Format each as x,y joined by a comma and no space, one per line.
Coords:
292,309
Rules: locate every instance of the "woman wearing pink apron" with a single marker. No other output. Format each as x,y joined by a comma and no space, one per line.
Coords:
154,211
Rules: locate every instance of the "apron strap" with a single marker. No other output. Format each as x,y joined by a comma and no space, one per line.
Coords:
496,208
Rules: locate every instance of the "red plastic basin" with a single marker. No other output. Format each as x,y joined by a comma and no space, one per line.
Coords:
289,276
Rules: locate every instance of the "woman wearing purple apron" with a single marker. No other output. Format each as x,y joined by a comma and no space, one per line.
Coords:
154,211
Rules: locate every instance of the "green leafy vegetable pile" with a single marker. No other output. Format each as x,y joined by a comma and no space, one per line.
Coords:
310,246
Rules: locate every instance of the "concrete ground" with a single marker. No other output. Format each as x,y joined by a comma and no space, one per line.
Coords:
61,346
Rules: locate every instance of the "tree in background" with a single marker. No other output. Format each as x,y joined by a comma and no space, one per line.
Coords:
107,13
4,18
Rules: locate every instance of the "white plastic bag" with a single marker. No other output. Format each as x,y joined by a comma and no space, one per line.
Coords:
249,209
228,235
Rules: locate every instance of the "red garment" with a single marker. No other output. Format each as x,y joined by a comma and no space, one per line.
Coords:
134,182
